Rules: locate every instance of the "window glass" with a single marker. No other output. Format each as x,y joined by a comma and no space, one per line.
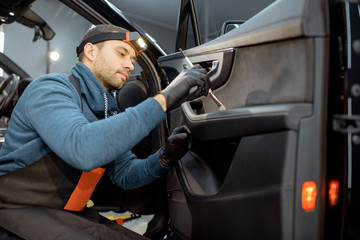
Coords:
158,18
212,14
33,57
190,40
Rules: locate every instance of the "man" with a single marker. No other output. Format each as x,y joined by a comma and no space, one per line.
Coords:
58,145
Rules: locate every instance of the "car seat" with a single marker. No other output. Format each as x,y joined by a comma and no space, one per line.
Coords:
133,93
135,200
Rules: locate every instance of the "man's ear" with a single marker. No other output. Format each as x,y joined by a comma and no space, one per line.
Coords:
90,51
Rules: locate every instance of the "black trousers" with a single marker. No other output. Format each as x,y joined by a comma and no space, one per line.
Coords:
40,223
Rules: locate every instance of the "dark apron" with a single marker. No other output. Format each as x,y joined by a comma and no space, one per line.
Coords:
33,198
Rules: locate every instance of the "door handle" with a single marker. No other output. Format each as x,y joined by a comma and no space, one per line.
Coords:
214,68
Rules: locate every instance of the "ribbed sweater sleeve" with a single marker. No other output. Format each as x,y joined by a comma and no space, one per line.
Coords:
128,172
82,144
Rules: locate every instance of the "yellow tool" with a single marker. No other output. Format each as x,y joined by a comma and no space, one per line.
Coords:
121,219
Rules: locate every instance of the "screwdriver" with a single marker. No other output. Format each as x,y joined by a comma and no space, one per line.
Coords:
212,95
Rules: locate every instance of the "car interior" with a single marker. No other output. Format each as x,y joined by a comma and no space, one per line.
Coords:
142,84
280,74
12,86
15,79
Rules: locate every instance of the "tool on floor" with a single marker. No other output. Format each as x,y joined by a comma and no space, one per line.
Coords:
212,95
121,219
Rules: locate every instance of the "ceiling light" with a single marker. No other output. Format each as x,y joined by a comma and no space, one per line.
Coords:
54,55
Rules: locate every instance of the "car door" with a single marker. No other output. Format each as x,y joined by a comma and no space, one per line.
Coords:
258,170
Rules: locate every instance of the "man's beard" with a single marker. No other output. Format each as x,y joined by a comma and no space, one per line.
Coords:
109,80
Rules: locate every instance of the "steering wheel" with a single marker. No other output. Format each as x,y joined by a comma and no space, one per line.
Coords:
8,88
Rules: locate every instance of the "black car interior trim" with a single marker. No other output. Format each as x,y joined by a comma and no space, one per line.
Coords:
8,88
258,172
10,66
244,121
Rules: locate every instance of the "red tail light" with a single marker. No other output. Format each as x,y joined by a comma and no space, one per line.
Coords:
308,195
333,192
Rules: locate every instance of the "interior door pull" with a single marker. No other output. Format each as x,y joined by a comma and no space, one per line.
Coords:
214,65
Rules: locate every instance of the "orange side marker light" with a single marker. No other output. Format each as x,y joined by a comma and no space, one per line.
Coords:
308,195
333,192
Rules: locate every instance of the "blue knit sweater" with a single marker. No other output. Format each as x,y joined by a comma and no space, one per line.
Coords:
48,117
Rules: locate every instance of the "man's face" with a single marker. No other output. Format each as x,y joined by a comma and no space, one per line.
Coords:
113,63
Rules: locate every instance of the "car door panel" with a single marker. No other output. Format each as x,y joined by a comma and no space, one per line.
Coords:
246,186
249,186
242,162
247,163
245,121
271,81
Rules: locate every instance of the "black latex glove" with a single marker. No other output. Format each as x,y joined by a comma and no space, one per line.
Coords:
176,146
179,88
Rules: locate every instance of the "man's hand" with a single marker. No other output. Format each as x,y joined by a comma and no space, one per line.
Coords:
176,146
180,87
